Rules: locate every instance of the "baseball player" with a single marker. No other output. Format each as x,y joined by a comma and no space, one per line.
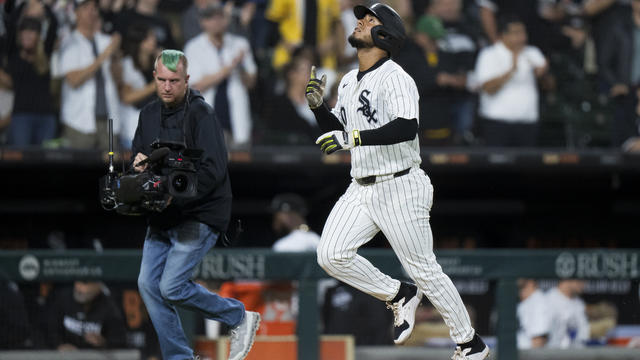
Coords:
376,118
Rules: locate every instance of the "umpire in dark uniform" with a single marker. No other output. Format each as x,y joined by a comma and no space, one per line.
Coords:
180,236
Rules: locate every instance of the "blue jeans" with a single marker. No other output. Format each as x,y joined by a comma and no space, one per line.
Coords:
31,129
168,259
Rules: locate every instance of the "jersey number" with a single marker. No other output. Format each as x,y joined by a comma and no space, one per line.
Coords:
343,116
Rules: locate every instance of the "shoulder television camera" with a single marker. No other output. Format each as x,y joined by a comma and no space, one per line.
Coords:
171,173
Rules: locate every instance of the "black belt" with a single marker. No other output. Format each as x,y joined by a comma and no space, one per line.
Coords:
372,179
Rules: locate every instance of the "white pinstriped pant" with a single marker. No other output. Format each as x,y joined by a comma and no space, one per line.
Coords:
398,207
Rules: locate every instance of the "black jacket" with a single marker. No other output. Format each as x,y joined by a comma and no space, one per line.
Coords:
69,321
212,205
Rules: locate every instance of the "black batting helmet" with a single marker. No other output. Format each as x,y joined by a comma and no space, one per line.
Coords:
390,35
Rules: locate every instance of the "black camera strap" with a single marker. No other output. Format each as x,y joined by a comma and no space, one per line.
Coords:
185,119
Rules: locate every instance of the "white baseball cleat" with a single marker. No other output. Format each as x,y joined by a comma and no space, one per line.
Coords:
242,336
473,350
404,311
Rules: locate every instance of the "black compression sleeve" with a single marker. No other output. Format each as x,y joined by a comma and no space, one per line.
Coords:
397,131
325,118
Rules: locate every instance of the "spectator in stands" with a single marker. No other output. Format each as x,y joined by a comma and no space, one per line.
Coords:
349,58
242,15
613,29
6,103
294,235
86,317
349,311
290,224
563,24
316,24
490,12
447,54
533,316
14,322
419,57
619,67
109,12
137,87
140,333
89,95
569,324
191,19
633,144
13,12
277,301
430,325
289,120
507,73
222,68
146,11
33,120
635,56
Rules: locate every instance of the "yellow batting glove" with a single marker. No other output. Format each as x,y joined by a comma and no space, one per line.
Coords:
338,140
315,89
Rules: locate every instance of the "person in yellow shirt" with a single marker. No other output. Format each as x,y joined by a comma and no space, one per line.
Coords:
307,23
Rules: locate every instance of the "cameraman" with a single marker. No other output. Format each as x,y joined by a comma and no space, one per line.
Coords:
179,237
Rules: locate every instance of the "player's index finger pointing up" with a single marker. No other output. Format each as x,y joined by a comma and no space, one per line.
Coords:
313,71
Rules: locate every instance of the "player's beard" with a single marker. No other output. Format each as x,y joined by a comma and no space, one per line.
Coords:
359,43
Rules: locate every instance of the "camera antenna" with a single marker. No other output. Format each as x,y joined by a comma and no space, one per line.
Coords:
111,146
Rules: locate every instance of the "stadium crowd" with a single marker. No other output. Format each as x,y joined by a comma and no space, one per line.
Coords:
489,72
492,72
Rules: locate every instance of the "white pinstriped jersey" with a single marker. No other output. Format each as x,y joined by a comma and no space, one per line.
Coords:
381,96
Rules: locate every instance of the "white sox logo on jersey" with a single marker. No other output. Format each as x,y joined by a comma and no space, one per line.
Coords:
365,109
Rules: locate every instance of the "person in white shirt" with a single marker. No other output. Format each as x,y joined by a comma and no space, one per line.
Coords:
569,323
533,316
138,86
223,69
89,95
507,73
289,223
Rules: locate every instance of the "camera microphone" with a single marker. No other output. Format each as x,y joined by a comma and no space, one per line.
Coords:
156,155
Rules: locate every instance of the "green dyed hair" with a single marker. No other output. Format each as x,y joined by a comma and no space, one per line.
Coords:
171,58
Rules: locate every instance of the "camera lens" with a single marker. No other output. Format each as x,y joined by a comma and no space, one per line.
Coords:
180,183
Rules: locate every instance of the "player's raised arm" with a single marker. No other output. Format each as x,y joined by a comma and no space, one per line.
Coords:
315,92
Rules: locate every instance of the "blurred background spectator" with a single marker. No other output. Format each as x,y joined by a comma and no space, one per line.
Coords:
110,11
222,67
140,333
316,24
490,11
534,316
506,72
191,19
89,94
287,115
349,311
30,46
137,86
439,58
569,324
86,317
146,11
587,98
15,332
290,224
348,60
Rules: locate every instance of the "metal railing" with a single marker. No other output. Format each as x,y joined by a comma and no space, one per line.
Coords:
504,266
